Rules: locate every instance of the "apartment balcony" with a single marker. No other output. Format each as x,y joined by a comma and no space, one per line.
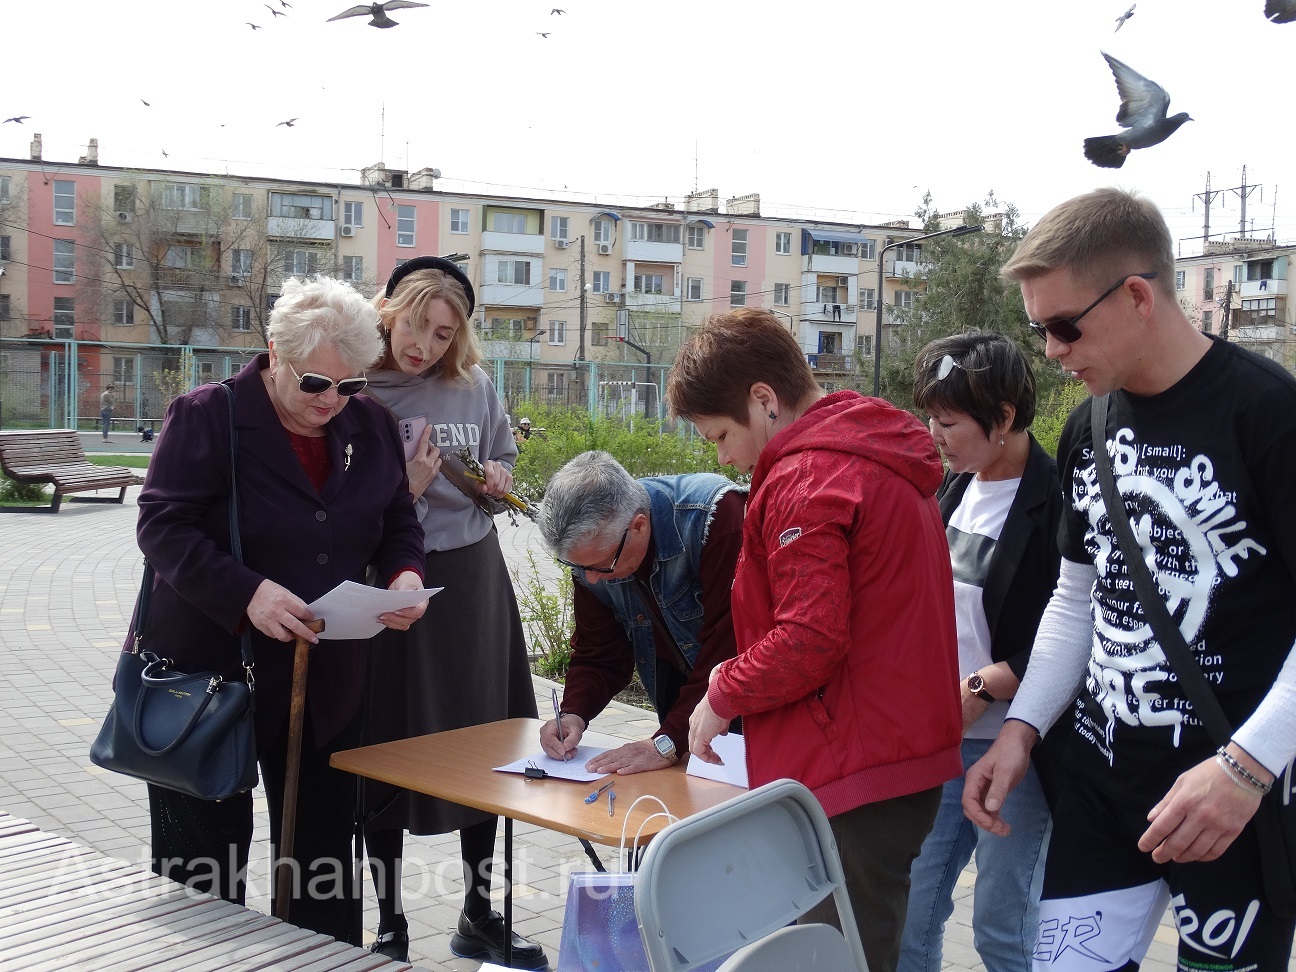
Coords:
829,313
1252,289
642,251
511,350
511,295
657,303
825,263
835,363
291,228
174,278
529,243
898,269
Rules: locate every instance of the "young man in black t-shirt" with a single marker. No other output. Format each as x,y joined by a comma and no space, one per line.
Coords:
1202,436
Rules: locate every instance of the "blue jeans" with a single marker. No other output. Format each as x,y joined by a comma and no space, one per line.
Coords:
1010,874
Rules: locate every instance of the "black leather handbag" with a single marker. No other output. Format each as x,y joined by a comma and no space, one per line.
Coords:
190,733
1275,821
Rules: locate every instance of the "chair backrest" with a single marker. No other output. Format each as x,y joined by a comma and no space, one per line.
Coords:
800,948
729,876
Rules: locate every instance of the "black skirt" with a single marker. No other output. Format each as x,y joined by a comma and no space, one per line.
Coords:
464,663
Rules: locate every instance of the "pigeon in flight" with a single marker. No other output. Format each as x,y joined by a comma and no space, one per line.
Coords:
290,123
252,25
1281,11
378,11
557,12
1120,21
1142,111
16,118
543,34
145,103
273,11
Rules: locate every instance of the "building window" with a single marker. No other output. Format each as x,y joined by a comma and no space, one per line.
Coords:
353,214
558,227
655,232
64,202
867,296
602,282
827,295
241,317
123,313
508,222
557,332
4,307
514,272
4,189
184,257
738,248
909,252
4,249
782,294
904,299
1208,288
1239,274
123,370
696,236
738,293
241,206
1180,279
124,199
297,206
868,249
64,261
458,221
404,225
1208,320
353,268
123,256
648,283
602,231
558,280
299,263
206,372
186,196
693,288
506,329
864,345
64,317
557,386
1260,270
783,243
241,263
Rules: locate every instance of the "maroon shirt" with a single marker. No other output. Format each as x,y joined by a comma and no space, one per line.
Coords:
602,660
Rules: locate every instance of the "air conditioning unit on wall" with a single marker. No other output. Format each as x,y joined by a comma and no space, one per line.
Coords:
560,244
348,229
612,298
124,217
604,249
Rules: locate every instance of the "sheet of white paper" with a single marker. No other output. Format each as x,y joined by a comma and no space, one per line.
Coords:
732,748
571,769
351,610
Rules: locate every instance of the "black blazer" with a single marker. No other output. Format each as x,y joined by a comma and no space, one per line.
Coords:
1024,568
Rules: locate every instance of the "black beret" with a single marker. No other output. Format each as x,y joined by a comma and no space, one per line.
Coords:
432,263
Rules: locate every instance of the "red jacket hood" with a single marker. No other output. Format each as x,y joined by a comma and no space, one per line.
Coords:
871,428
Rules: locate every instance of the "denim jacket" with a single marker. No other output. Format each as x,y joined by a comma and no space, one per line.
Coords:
681,508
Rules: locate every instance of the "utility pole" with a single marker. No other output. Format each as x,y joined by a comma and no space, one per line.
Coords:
1207,198
580,347
1243,191
1228,310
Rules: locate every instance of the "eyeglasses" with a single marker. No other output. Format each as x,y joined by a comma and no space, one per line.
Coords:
610,568
1065,329
313,384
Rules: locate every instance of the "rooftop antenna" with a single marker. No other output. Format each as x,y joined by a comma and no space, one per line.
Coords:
695,165
382,132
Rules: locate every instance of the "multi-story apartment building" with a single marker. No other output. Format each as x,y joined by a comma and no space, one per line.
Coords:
1239,288
103,254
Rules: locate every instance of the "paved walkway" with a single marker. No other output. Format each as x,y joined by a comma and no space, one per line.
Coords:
67,585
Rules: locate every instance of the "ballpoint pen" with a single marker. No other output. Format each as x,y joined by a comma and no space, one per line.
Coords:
595,795
611,800
558,719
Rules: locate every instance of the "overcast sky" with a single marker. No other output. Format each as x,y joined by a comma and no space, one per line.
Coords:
846,109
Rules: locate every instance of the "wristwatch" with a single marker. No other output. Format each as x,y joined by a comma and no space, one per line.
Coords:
665,748
977,686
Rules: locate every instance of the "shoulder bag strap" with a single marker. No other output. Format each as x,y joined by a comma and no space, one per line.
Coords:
236,541
1205,705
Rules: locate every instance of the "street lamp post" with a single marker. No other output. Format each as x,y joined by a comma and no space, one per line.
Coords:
531,342
647,360
877,298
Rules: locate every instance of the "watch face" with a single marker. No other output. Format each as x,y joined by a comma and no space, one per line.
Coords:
664,746
975,683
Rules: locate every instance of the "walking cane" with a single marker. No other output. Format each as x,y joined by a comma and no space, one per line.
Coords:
288,825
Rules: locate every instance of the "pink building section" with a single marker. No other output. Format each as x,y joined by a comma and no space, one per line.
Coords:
41,289
723,271
427,235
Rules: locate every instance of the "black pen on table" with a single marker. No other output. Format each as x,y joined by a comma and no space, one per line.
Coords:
558,719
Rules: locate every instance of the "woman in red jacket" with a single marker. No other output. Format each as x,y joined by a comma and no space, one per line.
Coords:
842,605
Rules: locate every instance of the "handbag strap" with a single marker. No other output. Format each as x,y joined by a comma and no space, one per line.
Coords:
1168,634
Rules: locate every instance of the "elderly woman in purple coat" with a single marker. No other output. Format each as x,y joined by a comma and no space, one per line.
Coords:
322,497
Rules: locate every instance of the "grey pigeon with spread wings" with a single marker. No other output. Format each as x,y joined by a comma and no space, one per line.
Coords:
1281,11
1142,113
378,11
1120,21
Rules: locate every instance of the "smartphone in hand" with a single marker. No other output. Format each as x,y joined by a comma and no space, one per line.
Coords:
411,429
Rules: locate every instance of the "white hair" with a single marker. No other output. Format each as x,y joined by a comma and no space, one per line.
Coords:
321,311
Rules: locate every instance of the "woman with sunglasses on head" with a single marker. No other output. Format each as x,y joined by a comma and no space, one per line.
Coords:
465,662
322,495
1001,502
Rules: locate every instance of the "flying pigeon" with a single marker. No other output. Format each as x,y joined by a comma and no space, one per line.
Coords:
557,12
252,25
145,103
290,123
273,11
1142,111
1281,11
17,118
543,34
1120,21
378,11
285,4
165,154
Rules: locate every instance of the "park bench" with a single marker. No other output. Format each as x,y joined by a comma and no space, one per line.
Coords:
55,456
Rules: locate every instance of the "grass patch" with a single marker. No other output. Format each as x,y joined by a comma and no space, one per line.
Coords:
131,461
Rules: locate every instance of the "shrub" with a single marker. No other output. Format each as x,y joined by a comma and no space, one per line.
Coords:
546,611
15,492
1051,414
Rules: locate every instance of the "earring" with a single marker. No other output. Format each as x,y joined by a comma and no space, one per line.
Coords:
1001,441
773,416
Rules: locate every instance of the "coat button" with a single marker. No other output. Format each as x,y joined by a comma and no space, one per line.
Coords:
322,559
639,618
321,515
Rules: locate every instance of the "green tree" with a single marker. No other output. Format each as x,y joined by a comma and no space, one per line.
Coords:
962,292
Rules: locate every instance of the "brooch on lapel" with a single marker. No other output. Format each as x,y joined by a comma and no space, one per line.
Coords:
347,451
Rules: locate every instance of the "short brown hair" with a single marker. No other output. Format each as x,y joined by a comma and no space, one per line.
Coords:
716,367
1098,236
989,370
412,296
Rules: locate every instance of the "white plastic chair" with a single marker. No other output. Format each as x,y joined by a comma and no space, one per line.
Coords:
732,878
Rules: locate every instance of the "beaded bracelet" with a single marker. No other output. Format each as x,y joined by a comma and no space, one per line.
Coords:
1232,766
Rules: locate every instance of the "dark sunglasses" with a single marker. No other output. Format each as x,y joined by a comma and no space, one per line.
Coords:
610,568
313,384
1065,329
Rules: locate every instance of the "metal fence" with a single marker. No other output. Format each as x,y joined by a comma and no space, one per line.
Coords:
57,384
